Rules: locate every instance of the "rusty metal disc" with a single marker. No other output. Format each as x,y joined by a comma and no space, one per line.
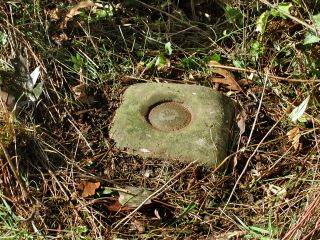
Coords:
169,116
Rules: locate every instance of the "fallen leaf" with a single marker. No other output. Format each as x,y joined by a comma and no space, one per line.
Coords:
139,226
7,99
294,137
88,188
241,121
75,11
228,236
134,196
80,91
60,39
52,12
116,207
298,111
227,77
245,82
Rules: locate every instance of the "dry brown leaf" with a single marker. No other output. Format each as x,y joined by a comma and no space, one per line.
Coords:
60,39
75,11
81,95
116,207
139,225
241,121
80,91
228,236
227,77
7,99
245,82
294,137
88,188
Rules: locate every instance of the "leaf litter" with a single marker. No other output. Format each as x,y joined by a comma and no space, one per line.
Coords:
199,208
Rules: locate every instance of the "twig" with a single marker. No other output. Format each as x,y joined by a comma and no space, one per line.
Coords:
153,195
15,173
255,151
313,29
258,110
304,218
81,135
309,81
249,160
183,22
213,172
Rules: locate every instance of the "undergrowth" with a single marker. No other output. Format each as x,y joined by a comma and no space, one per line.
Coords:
88,54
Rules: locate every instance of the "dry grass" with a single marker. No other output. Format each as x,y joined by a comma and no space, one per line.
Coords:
271,190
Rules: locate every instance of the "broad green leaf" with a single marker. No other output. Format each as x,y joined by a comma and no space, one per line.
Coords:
298,112
151,63
215,57
239,63
262,21
160,61
168,48
310,38
107,191
316,19
233,15
285,7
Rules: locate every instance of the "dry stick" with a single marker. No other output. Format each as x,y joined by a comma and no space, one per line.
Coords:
249,160
316,228
183,22
313,29
262,74
304,218
128,217
211,173
258,110
254,152
13,169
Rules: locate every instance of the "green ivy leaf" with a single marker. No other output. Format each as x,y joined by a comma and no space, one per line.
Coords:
310,38
285,7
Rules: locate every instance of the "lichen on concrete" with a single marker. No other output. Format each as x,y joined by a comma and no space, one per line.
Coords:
205,139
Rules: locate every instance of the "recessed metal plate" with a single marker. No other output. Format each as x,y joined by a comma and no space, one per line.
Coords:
169,116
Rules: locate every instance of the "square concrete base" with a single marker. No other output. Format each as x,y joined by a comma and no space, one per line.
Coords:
175,121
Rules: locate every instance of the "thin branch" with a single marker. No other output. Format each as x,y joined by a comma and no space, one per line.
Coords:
15,173
313,29
153,195
284,79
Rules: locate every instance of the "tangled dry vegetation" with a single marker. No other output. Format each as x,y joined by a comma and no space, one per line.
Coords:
61,175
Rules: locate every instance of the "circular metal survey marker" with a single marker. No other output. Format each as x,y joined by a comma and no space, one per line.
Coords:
174,122
169,116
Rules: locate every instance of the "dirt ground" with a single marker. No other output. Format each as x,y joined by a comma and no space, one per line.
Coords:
62,177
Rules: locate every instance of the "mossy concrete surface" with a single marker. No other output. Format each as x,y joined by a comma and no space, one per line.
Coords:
206,138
